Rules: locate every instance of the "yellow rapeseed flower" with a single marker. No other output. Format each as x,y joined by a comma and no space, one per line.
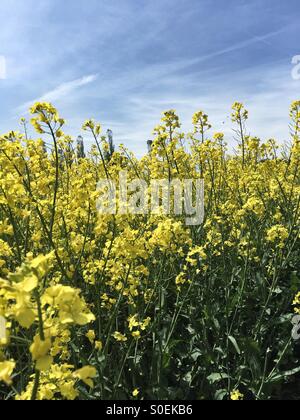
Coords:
6,370
236,395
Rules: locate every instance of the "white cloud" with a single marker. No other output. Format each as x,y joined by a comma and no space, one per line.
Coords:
144,72
61,91
267,92
243,44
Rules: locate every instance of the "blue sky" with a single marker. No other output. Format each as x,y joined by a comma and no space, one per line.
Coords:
123,62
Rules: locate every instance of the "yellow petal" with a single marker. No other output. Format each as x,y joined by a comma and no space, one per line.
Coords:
44,363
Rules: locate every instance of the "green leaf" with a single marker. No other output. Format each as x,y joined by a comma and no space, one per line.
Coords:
295,282
217,377
279,376
220,394
235,344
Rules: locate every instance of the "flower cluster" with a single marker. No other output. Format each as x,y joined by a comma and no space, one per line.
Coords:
127,306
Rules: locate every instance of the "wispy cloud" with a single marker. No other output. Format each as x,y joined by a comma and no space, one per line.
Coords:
243,44
267,92
158,56
61,91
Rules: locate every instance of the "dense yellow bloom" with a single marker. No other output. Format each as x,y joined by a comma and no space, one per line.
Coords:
6,370
39,351
137,326
133,322
236,396
278,234
56,383
98,345
20,287
239,112
296,303
119,337
91,336
297,299
136,334
86,374
135,392
70,277
71,308
145,323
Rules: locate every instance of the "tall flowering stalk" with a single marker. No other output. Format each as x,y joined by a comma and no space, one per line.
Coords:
126,306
